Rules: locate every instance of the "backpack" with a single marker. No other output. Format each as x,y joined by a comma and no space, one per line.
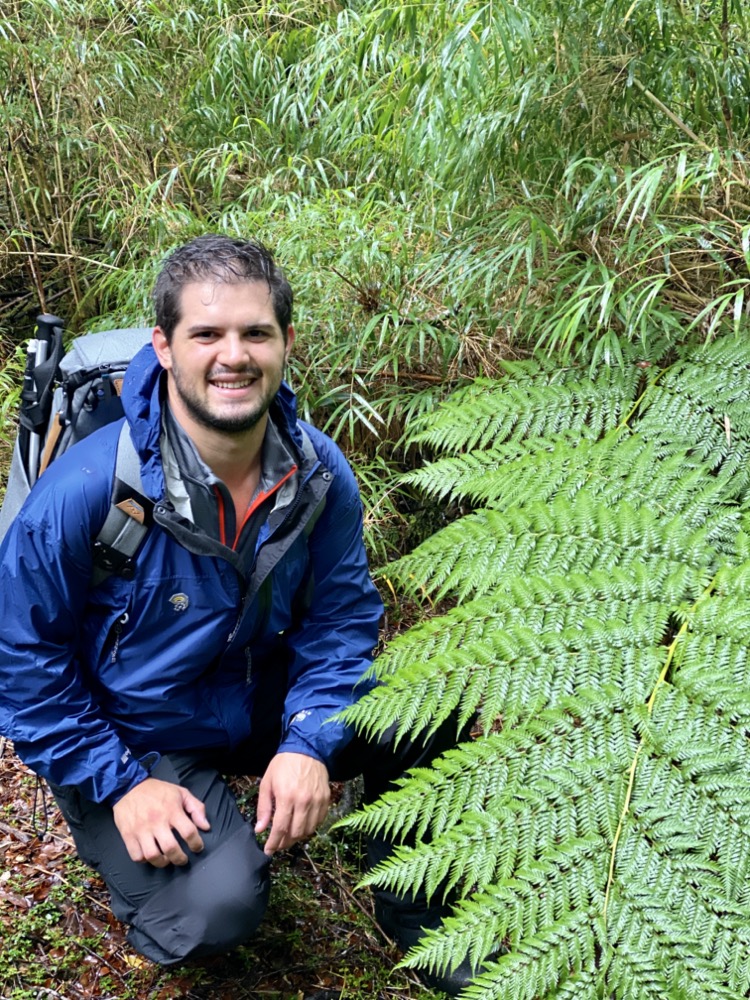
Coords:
66,396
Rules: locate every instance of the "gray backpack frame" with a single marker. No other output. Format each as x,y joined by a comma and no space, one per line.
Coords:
66,396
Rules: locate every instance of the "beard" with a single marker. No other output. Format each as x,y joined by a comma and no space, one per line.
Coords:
246,417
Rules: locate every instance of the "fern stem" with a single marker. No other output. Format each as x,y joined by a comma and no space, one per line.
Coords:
618,831
631,773
636,405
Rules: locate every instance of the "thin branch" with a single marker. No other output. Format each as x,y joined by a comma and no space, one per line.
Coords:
670,114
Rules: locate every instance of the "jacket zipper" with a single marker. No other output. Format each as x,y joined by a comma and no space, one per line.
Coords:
289,514
121,622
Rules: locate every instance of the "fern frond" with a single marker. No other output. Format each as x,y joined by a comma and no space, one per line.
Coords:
540,964
595,835
475,476
480,552
530,401
697,402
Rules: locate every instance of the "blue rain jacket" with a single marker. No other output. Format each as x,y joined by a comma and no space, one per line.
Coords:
181,656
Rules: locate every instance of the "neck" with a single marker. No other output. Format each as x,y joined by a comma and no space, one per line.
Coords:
233,458
236,460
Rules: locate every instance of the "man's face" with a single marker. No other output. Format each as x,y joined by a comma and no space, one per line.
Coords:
227,356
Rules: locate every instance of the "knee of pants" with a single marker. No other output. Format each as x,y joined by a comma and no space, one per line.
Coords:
210,907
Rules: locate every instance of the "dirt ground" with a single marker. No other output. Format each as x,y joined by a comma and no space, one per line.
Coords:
59,938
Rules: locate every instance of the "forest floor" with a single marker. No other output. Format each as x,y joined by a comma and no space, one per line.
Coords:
59,938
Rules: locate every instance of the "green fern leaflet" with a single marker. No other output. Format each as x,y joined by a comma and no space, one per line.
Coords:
594,836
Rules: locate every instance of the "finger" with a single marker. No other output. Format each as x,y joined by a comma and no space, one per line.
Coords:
310,812
302,824
152,853
168,847
279,837
196,810
189,833
307,820
320,814
264,808
134,849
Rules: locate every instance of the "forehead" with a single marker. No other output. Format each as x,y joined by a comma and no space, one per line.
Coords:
226,302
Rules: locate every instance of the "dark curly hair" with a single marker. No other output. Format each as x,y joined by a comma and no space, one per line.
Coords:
220,259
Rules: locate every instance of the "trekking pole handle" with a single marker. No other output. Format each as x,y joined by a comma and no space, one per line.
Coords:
38,351
45,327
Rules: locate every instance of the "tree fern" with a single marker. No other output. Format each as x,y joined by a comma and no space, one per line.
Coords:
593,836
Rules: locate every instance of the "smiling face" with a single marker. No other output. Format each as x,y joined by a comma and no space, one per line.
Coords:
226,357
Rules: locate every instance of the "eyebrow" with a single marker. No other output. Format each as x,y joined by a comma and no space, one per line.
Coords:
210,327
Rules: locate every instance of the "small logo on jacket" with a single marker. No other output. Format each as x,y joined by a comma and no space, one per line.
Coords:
179,602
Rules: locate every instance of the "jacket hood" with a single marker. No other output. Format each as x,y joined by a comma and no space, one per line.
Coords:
140,401
141,392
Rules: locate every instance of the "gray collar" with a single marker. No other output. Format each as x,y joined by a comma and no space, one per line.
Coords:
192,487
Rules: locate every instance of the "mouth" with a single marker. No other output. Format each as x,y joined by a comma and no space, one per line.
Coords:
241,384
233,383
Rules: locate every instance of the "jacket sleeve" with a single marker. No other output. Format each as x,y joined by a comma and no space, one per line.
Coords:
335,642
46,707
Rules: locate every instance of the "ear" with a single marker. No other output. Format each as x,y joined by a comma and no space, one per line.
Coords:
290,335
162,348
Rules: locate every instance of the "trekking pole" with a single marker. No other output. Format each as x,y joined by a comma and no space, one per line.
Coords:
35,395
29,392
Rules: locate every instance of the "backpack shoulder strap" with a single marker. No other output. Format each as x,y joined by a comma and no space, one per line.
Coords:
302,600
308,450
129,517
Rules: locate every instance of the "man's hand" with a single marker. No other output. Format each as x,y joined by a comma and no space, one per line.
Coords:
295,792
149,815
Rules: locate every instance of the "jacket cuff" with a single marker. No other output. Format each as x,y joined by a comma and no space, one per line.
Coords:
133,778
293,742
322,744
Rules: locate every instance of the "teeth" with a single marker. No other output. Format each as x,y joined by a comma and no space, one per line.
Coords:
233,385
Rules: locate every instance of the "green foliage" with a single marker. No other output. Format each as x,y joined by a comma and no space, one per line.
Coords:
594,834
11,381
447,183
450,184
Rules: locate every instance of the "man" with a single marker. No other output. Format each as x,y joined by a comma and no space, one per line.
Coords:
247,625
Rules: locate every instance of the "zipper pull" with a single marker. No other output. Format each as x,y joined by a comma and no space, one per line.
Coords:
118,627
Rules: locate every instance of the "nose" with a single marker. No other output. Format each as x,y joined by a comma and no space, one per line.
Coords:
234,351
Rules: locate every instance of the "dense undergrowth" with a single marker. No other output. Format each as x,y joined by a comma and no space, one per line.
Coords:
447,183
452,186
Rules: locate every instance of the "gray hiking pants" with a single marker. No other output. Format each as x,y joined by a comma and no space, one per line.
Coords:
215,901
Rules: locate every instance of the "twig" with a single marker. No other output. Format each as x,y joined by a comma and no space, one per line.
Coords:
412,976
14,832
670,114
101,958
63,256
343,277
76,886
9,306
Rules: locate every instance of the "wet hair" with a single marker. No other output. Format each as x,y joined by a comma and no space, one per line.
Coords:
221,259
